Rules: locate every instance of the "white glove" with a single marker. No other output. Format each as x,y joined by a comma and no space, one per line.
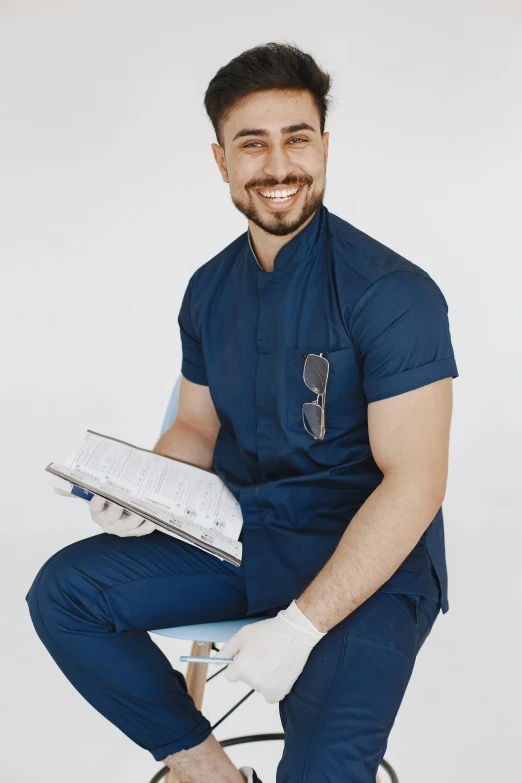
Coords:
113,518
272,653
116,520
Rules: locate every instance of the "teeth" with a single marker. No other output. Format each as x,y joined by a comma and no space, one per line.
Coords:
278,193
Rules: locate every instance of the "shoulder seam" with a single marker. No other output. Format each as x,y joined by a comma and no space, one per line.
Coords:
421,273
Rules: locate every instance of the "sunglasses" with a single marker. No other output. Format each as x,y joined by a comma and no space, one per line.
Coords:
315,375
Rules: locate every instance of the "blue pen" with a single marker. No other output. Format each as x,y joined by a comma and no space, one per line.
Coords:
195,659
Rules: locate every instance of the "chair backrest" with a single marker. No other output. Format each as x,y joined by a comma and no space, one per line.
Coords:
208,632
172,407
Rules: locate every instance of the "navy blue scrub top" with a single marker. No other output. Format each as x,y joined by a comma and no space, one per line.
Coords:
383,324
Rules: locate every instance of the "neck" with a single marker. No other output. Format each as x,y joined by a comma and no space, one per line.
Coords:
266,246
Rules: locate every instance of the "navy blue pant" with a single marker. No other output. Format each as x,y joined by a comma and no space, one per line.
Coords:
92,603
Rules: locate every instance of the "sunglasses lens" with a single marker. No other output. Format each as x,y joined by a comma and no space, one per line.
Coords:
313,419
315,373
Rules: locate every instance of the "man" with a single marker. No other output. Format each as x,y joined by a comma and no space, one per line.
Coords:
317,383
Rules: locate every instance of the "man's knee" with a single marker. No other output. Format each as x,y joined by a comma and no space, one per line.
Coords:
61,585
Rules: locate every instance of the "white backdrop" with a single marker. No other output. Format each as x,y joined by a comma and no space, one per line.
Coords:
110,198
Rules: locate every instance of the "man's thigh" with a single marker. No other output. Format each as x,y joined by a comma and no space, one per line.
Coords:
141,583
339,713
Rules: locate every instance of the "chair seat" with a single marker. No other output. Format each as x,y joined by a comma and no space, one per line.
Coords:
207,632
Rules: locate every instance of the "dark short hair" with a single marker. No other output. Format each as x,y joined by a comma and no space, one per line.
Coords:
270,66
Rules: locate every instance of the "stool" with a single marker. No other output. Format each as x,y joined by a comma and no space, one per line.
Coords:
207,636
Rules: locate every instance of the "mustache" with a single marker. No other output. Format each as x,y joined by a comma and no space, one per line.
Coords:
286,183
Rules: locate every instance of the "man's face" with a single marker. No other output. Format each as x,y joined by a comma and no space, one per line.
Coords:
267,148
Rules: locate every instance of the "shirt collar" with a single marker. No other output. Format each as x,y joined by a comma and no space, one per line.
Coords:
301,247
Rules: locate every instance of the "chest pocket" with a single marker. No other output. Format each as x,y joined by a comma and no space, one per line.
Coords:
342,392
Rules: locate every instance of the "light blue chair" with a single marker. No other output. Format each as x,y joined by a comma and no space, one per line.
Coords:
203,632
204,637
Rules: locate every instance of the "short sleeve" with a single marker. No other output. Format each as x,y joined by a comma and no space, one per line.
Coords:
192,363
400,328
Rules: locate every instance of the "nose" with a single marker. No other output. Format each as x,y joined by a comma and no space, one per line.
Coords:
277,163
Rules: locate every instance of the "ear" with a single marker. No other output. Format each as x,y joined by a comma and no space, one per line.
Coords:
326,140
219,157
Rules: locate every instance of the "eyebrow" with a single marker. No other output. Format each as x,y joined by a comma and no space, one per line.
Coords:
263,132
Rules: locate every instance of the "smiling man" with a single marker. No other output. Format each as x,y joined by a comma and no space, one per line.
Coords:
276,206
317,383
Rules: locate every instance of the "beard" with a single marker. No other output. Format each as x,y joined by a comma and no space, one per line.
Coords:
279,223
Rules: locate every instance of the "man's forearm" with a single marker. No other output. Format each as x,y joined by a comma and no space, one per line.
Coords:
186,444
377,540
